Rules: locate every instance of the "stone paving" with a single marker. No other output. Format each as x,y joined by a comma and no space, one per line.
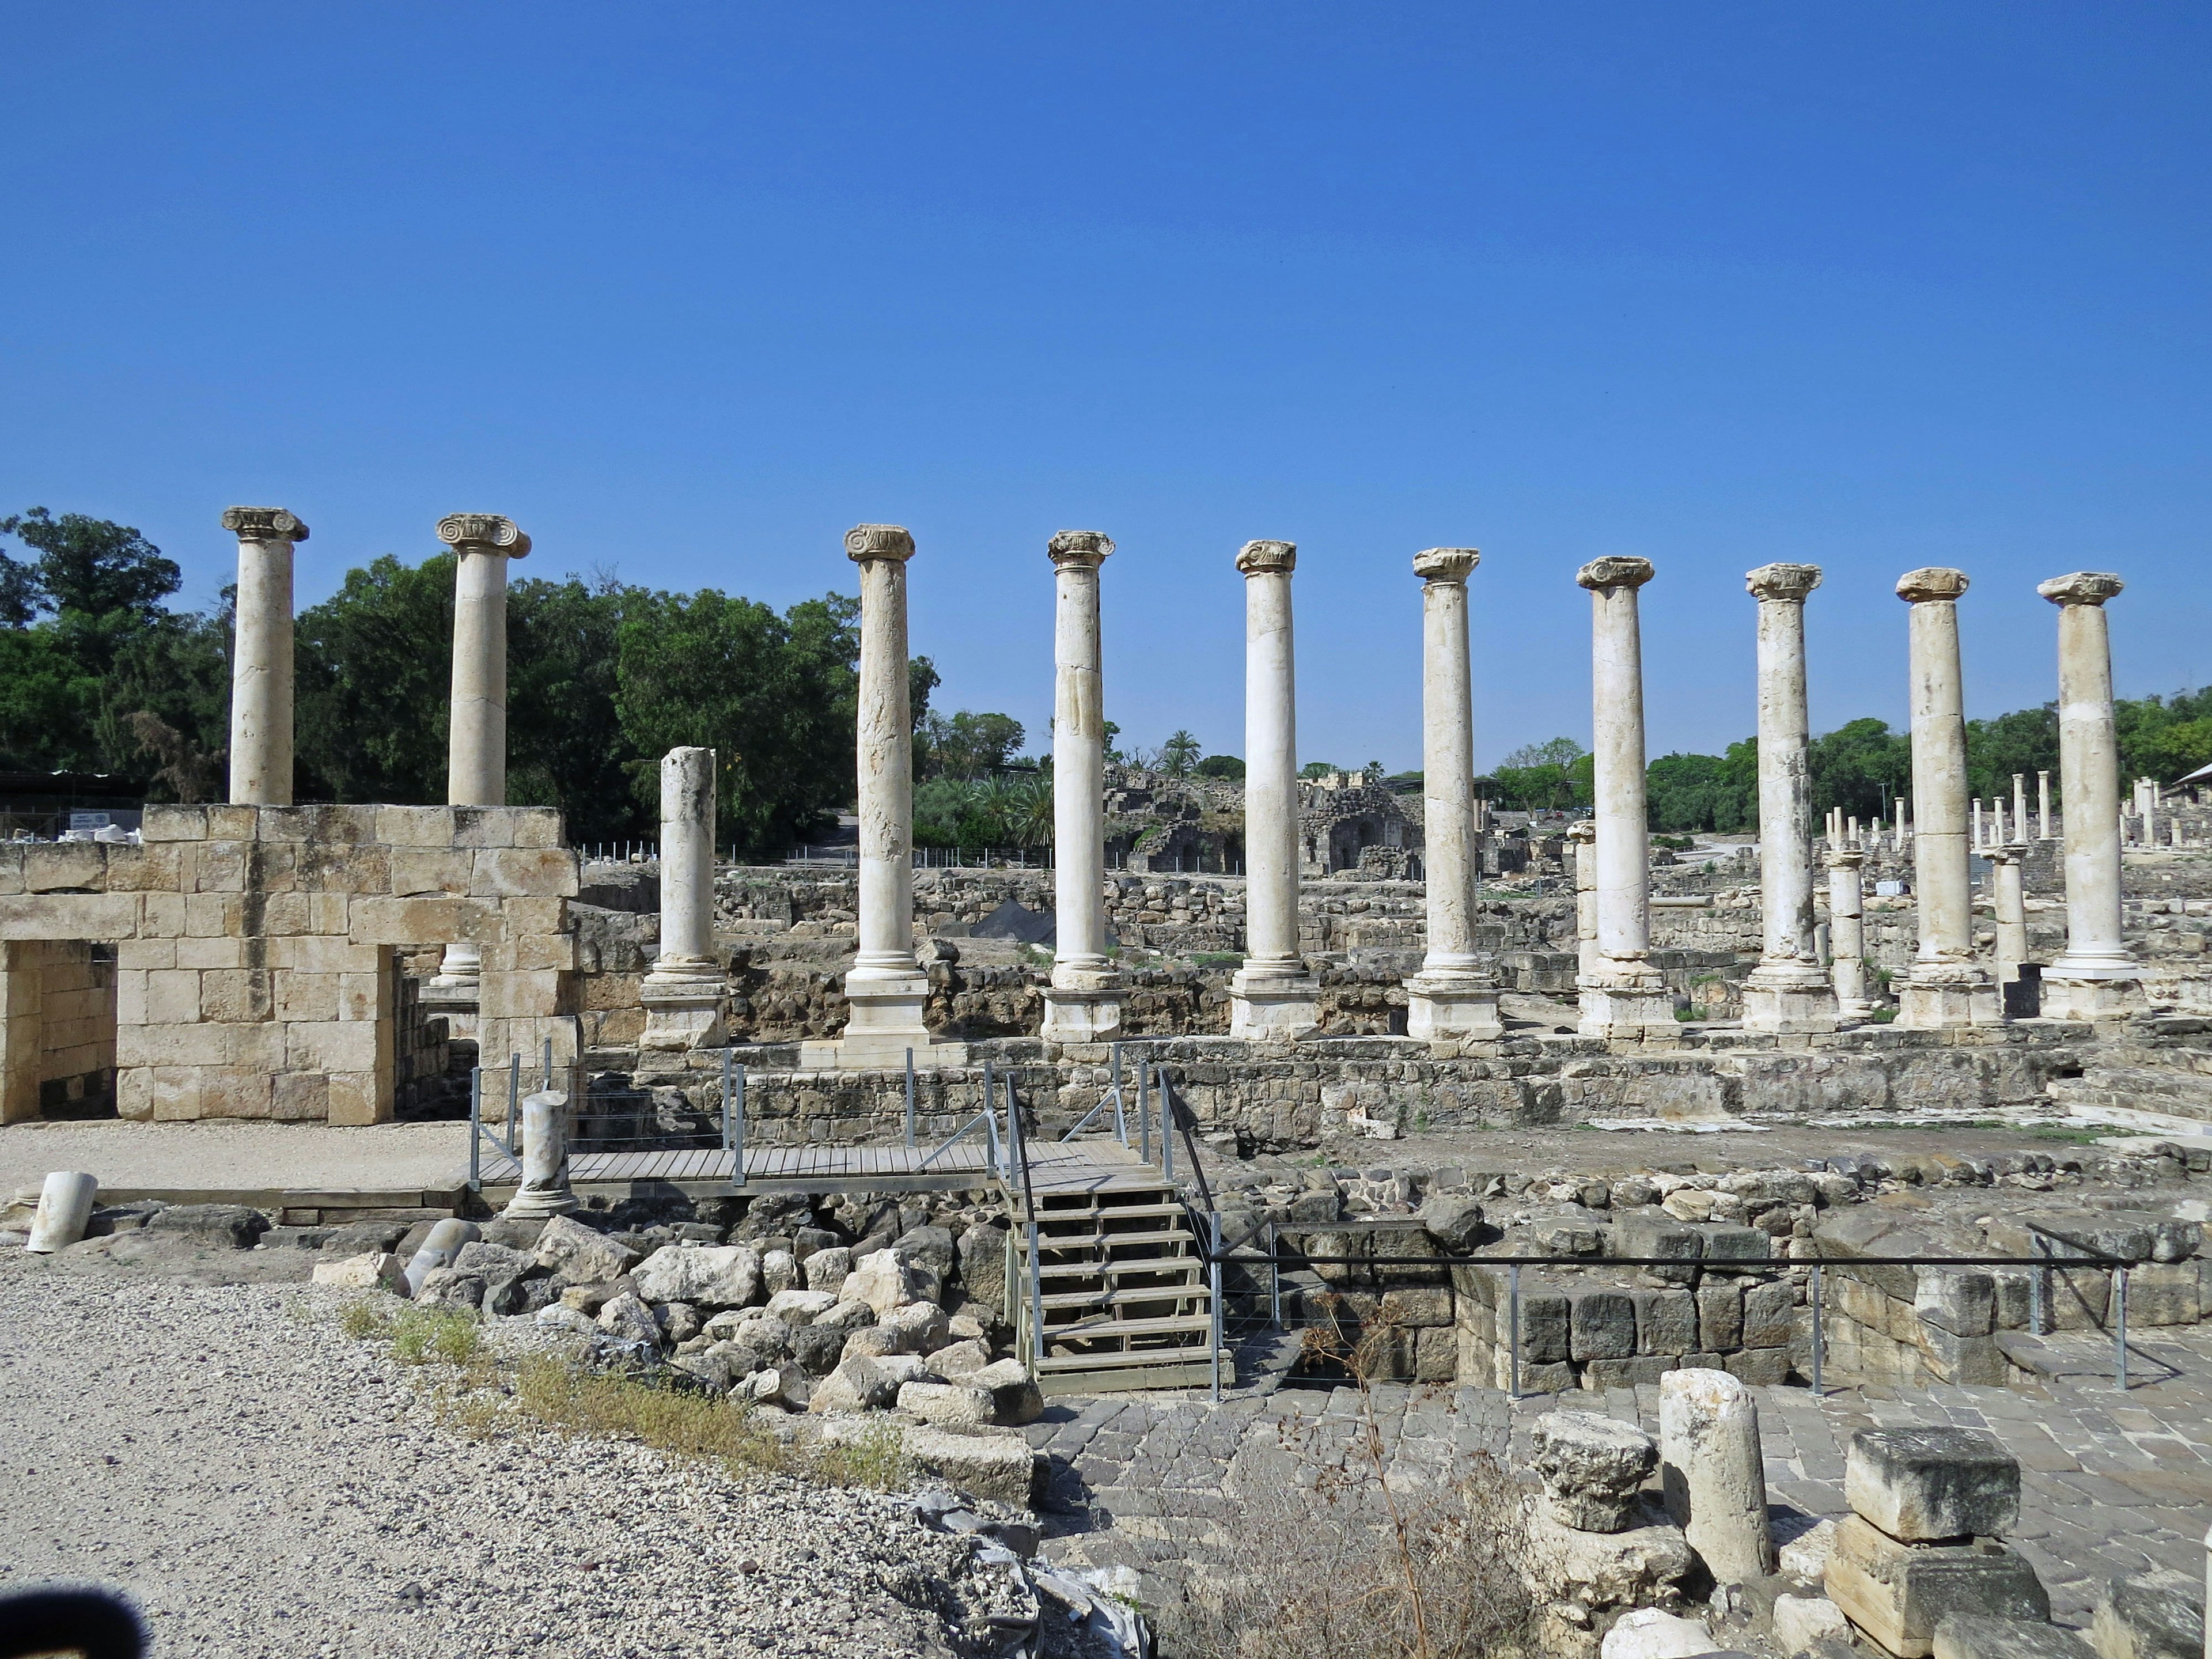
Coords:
2111,1485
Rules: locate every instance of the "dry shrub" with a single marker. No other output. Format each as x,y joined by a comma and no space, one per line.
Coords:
1356,1567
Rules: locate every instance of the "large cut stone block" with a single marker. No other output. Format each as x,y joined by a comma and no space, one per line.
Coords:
1769,1315
2159,1615
1600,1324
1720,1318
1898,1593
998,1465
1962,1301
1964,1636
524,873
1923,1485
1636,1235
1666,1322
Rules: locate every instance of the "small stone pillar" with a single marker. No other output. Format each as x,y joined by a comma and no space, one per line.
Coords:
1583,833
545,1189
683,993
1948,989
886,989
1787,993
1904,822
1084,1002
475,739
261,656
65,1201
1454,998
2043,806
1714,1477
1623,998
1847,934
1273,997
2009,902
2097,977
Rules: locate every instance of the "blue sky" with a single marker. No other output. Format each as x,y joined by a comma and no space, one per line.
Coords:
687,291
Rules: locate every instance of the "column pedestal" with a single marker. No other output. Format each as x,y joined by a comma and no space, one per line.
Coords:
1447,1007
1789,1000
883,1021
1073,1013
1270,1008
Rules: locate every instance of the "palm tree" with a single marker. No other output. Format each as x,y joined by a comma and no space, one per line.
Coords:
1179,754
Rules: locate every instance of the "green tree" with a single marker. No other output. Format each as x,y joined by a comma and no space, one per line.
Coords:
1179,754
566,744
2025,741
2164,738
968,744
1549,776
1316,769
1716,794
1222,766
374,678
1862,767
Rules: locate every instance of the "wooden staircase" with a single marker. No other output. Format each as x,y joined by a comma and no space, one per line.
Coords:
1123,1288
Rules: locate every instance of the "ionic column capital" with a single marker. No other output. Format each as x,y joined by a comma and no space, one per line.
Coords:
1849,858
864,542
1267,558
2002,854
1788,582
2082,588
264,524
1079,550
1445,564
1582,831
1933,582
1600,575
482,532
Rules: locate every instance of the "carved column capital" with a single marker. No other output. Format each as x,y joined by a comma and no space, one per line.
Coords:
1267,558
264,524
1933,582
1782,581
1615,572
864,542
1079,550
1847,858
2082,588
1446,564
482,532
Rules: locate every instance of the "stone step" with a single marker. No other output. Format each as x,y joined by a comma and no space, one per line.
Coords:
2137,1089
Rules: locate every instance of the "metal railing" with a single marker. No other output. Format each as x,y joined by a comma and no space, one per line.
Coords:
597,1120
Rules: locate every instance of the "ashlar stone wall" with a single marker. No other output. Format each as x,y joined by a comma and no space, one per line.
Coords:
257,949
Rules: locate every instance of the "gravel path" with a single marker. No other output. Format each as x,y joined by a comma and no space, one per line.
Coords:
234,1155
261,1484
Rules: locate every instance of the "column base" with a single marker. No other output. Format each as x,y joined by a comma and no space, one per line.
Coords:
1082,1016
884,1021
1272,1010
2098,1000
1949,998
539,1204
1627,1001
1789,999
1452,1008
682,1013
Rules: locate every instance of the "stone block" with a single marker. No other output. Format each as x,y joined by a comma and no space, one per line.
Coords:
1720,1317
2156,1615
1015,1398
214,915
306,996
415,872
230,1092
299,1097
215,866
157,1043
69,866
537,827
71,915
1592,1467
1666,1321
1653,1634
1760,1368
1962,1301
404,921
333,1046
509,995
1436,1354
1770,1314
1931,1484
1801,1621
240,994
206,953
1898,1593
1600,1324
172,998
226,822
414,826
996,1465
2164,1293
1601,1571
1967,1360
173,823
1427,1305
1724,1243
519,873
145,954
375,1270
144,869
1650,1234
174,1092
1967,1636
358,1099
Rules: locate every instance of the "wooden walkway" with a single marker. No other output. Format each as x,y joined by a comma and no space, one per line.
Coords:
1100,1165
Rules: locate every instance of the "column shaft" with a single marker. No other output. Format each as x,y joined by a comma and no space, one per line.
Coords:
1272,994
1788,993
1083,1004
687,862
262,656
1583,836
886,769
2008,901
1847,934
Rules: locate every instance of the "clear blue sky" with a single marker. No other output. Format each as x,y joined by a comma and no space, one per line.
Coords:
688,290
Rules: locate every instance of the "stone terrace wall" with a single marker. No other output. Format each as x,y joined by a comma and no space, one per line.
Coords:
257,971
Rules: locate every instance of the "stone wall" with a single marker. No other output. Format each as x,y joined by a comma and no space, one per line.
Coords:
57,1029
257,949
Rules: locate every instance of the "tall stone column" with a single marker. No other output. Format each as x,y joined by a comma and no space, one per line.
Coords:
1272,998
261,656
2097,977
1623,998
1454,999
886,989
1083,1004
2043,806
476,738
1847,934
2008,903
1584,834
683,995
1948,987
1788,994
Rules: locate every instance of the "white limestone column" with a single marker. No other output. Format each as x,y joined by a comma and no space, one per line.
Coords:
1847,934
1788,994
1623,998
475,738
886,989
2043,806
1712,1473
2008,903
1583,833
1083,1004
1904,822
683,993
1272,997
1454,999
2020,806
1948,989
261,656
2097,977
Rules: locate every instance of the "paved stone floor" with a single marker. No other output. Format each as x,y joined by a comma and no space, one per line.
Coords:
2110,1484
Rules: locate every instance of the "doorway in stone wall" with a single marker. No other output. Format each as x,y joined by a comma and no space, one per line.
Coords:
76,1030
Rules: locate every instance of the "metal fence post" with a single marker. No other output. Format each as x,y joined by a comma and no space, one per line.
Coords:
513,1094
476,1128
1213,1277
1820,1335
1513,1318
909,1099
2120,1324
2038,1290
1274,1278
1167,1132
726,1099
1036,1294
738,1133
548,1063
1144,1111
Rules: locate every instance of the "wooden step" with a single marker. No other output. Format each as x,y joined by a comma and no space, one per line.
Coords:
1120,1241
1103,1298
1138,1264
1122,1329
